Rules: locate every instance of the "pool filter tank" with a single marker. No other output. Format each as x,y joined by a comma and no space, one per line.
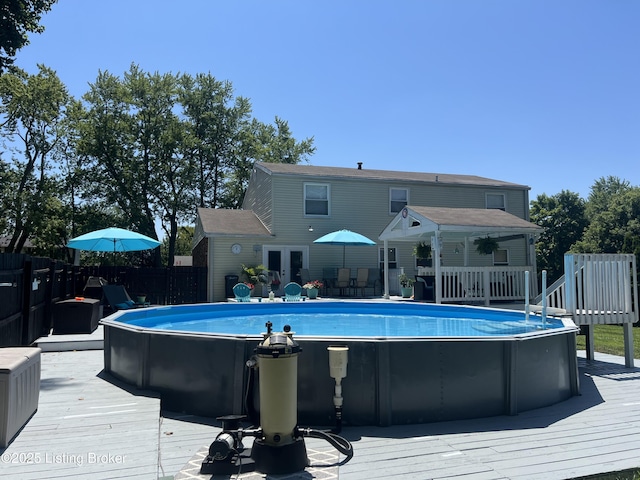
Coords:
280,449
279,446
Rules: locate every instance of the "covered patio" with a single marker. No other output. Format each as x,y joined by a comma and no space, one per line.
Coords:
462,226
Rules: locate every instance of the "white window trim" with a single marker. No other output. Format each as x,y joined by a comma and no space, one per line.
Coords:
495,194
304,199
397,188
381,256
500,264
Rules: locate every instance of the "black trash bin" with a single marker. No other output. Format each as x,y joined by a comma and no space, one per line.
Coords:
229,282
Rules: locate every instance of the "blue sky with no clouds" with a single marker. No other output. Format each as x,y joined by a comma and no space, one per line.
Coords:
544,93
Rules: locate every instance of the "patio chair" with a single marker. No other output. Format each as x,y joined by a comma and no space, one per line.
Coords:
292,292
304,276
242,292
344,279
375,280
329,277
118,298
362,280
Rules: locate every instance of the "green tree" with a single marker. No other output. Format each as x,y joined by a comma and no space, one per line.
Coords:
32,110
215,120
116,138
265,143
564,221
615,223
19,17
184,239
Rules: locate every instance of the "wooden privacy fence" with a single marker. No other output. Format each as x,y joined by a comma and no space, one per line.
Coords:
161,286
30,286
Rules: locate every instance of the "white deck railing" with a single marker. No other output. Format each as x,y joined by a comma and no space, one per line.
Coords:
601,288
483,284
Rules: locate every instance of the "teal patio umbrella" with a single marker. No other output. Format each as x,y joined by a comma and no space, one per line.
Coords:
344,238
113,240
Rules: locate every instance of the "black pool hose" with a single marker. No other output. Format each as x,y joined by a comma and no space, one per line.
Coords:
249,406
339,443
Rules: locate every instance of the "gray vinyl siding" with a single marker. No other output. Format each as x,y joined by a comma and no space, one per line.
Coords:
259,196
363,206
360,205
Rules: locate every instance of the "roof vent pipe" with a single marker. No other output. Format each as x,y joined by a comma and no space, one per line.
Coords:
359,165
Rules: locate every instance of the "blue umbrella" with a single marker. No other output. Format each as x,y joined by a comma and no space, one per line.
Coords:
344,238
113,240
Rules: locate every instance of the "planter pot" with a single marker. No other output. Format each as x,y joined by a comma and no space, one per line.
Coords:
406,292
312,293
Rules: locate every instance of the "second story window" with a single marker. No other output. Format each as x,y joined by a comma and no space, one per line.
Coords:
316,199
496,201
398,199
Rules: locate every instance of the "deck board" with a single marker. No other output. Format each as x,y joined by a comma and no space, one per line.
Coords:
84,412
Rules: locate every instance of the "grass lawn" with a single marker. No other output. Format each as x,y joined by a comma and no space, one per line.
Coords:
609,339
633,474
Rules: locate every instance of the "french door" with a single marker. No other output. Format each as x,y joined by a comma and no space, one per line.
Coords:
287,261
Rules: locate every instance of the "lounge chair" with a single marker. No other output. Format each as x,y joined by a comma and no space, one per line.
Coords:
292,292
118,298
242,292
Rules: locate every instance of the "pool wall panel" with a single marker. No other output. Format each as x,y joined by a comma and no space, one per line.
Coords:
389,381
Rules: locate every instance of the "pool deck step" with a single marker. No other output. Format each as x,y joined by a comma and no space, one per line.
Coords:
70,342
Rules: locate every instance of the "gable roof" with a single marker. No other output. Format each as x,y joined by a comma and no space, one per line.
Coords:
414,221
221,221
384,175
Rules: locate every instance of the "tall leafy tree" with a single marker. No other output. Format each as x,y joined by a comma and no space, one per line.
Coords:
564,221
265,143
32,110
215,120
117,137
19,17
614,218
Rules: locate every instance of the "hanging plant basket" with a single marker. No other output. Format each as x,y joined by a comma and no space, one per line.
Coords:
486,245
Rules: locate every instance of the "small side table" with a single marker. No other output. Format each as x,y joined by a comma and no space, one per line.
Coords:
77,315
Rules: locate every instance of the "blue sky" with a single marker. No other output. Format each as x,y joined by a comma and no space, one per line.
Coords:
544,93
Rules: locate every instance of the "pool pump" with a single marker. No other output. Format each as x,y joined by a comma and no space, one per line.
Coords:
279,446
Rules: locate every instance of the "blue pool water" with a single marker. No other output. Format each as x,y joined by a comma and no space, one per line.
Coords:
340,319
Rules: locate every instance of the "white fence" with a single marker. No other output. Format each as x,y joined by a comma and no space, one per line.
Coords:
600,288
483,284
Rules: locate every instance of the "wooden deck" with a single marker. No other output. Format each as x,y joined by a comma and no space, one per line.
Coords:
89,426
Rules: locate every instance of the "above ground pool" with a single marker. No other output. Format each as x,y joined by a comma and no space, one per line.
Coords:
407,362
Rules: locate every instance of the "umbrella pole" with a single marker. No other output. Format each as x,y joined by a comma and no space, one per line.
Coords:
344,248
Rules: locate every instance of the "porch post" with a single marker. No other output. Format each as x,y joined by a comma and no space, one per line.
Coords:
435,240
386,268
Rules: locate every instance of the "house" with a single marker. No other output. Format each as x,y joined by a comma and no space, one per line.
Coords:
286,207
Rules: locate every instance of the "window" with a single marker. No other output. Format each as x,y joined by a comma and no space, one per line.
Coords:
398,199
316,199
501,257
496,201
393,262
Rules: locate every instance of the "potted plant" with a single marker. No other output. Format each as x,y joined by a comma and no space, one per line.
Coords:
486,245
255,275
312,288
422,252
406,285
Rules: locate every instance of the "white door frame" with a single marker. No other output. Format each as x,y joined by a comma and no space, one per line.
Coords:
285,267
